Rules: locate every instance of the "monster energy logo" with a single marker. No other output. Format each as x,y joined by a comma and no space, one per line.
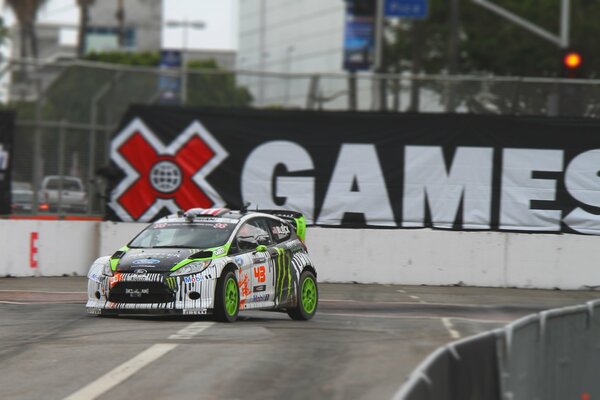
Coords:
283,273
171,282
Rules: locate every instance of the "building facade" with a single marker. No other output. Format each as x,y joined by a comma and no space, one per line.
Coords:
139,23
291,37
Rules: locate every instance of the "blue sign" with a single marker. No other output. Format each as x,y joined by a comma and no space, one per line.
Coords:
359,42
170,85
413,9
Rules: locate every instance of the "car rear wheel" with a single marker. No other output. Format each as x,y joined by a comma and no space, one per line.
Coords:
307,298
227,298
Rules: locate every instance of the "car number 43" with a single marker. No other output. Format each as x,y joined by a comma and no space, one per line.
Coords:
260,274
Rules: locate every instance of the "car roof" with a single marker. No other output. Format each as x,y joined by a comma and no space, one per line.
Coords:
197,214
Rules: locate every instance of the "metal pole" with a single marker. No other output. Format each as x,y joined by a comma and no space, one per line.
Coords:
92,144
261,50
352,100
61,165
565,23
37,147
184,75
379,85
452,53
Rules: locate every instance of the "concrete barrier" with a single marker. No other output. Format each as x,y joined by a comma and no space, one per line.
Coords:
47,248
387,256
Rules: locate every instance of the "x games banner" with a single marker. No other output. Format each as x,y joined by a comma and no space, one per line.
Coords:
461,172
6,143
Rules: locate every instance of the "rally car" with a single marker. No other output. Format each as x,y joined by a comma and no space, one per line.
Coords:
209,261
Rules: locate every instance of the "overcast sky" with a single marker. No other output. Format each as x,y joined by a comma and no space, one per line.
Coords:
219,16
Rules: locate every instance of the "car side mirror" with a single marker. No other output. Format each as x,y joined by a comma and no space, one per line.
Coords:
261,248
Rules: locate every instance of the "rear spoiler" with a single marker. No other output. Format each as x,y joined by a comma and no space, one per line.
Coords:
296,218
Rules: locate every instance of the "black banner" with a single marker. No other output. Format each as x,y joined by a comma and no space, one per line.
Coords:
464,172
6,145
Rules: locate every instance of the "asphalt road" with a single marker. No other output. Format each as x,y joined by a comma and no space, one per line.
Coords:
362,344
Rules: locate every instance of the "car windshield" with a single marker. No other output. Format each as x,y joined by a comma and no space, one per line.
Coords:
194,235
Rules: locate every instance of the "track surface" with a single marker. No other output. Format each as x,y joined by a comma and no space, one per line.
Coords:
362,344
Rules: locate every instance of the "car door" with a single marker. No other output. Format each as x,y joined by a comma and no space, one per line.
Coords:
256,277
281,259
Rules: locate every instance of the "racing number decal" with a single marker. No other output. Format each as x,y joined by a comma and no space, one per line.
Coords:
260,274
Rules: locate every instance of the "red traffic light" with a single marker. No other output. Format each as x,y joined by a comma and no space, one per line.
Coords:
572,60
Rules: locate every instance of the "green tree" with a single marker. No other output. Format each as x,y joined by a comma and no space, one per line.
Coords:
490,44
214,87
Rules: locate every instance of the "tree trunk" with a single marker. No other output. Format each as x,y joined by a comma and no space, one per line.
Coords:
84,19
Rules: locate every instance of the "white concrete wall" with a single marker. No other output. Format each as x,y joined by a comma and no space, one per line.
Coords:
63,247
428,257
411,257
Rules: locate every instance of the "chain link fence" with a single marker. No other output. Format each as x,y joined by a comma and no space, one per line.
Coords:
67,111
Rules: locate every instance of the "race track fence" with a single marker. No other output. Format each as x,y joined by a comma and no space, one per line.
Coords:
551,355
67,111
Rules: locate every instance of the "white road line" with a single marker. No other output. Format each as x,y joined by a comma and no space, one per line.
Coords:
122,372
191,330
14,302
454,334
401,291
394,316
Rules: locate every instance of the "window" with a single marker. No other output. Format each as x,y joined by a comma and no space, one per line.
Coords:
281,231
252,234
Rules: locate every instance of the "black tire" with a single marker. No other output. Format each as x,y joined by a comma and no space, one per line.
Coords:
224,294
306,307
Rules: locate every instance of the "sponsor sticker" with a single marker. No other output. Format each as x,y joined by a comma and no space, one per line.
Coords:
219,251
195,311
239,261
260,288
136,293
194,279
146,261
257,298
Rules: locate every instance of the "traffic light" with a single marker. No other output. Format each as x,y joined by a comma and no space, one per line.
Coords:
572,63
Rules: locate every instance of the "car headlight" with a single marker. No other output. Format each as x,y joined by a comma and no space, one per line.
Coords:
192,268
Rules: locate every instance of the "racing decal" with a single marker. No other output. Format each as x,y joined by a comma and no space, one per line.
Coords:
283,275
243,284
260,274
6,160
159,176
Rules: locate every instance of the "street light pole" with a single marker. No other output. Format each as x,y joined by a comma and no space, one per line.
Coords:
185,25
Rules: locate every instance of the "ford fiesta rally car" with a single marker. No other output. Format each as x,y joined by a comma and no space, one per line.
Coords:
209,261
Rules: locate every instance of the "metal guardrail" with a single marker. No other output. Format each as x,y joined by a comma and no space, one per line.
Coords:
552,355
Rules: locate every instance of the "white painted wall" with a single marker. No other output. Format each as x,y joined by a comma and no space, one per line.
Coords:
64,247
395,256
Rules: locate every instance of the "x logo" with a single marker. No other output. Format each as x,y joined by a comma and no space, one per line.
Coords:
160,177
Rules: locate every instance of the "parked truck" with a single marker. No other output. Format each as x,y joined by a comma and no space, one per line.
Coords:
63,194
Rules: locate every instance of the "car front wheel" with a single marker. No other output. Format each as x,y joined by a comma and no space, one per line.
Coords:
227,298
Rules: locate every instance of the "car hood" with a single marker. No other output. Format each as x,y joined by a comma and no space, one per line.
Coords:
152,260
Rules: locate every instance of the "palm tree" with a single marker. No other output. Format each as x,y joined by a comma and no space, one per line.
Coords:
26,13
